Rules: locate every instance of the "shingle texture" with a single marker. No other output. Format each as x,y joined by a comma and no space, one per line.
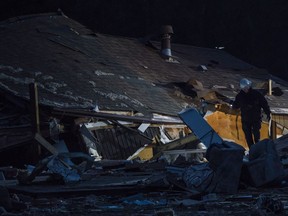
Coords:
76,68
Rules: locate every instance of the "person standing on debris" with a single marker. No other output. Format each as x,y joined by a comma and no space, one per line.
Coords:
251,102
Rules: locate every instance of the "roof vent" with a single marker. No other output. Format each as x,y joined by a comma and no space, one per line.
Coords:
166,32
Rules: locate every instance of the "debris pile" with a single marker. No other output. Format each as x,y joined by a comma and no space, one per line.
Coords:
91,123
164,185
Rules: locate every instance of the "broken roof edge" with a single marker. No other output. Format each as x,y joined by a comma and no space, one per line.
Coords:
279,111
156,119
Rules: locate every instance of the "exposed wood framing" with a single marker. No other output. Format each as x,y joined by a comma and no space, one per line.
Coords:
174,144
273,129
34,107
50,148
105,116
281,119
132,130
45,144
33,92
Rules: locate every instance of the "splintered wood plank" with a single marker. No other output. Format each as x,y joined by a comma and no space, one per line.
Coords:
46,144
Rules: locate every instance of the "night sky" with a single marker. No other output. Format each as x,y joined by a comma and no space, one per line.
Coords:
254,31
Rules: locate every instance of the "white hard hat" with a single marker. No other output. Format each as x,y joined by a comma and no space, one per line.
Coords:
245,83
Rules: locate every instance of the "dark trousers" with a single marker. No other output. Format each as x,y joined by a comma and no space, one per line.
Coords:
251,131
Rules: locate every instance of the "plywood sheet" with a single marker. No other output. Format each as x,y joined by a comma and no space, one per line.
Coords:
229,126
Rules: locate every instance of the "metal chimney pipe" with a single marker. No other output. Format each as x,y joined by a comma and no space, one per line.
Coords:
166,32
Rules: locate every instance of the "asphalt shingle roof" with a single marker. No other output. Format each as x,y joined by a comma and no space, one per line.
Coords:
77,68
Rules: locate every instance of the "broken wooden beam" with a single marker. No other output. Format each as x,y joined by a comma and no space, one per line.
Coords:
85,113
139,133
174,144
45,144
34,107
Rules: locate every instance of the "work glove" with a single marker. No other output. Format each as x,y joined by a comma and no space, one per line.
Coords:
230,104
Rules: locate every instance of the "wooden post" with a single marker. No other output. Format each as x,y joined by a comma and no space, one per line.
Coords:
269,87
35,122
273,129
34,107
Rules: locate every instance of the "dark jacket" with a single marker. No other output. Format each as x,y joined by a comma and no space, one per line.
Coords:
250,105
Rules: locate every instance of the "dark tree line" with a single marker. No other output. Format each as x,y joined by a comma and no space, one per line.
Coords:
255,31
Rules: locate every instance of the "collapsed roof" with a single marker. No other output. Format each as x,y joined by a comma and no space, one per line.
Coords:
76,68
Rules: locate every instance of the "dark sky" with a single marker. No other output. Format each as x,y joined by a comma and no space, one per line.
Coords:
255,31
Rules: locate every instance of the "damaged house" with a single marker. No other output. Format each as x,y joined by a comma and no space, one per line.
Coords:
114,97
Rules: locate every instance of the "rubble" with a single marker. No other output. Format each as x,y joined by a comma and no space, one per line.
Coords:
128,152
181,176
154,187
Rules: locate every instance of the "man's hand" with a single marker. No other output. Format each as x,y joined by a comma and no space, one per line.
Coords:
230,102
